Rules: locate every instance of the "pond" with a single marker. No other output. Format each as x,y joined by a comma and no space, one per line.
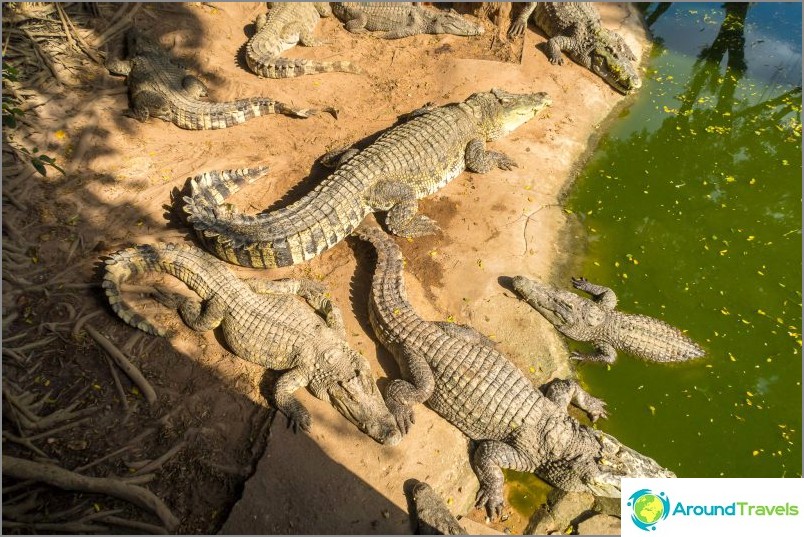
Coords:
691,206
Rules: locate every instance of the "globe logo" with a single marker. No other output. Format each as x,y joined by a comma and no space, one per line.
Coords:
648,508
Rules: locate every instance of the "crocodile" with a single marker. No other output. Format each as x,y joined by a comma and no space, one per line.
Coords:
597,321
160,88
465,379
287,24
575,28
402,19
406,163
266,323
428,513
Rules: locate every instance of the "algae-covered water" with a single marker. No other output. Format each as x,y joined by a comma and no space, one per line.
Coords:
692,209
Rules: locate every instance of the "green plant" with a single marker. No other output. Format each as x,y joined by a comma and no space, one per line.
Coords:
11,113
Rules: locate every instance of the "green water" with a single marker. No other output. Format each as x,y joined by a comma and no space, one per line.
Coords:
692,208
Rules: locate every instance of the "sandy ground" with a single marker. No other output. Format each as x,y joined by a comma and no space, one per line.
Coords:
117,192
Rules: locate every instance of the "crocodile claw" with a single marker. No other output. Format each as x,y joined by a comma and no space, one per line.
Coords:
403,415
578,282
504,162
516,29
493,503
300,420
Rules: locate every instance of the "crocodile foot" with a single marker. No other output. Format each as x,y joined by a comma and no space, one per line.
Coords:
492,500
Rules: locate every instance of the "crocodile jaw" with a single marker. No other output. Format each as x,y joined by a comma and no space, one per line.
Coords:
611,61
555,305
452,23
511,110
359,401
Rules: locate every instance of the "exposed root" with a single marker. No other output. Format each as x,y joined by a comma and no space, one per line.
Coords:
65,479
128,368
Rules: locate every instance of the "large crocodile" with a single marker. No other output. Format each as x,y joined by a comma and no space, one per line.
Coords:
575,28
287,24
264,322
597,321
465,379
402,19
408,162
159,88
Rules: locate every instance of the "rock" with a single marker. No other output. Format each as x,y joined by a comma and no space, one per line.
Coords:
600,525
607,506
561,509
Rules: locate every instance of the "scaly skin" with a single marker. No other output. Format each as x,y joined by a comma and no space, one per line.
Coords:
266,323
405,164
430,516
574,28
288,24
159,88
402,19
462,377
597,321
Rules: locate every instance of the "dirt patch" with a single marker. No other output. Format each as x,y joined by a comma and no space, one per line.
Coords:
209,426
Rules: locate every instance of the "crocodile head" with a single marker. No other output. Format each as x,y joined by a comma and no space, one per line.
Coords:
451,22
351,389
499,112
572,315
616,461
593,461
611,60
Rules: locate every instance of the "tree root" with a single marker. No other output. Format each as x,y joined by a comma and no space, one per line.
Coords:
65,479
128,368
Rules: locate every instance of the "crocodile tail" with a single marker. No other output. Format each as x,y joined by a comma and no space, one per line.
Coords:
122,266
209,116
290,68
212,188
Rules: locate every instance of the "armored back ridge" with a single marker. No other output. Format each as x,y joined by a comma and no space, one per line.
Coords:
462,377
407,163
597,321
267,323
159,88
402,19
575,28
288,24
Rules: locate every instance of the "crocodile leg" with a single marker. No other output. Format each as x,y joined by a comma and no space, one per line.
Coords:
601,294
401,395
403,217
488,460
307,39
558,43
565,391
117,66
336,157
194,87
311,291
298,416
605,353
323,8
479,160
198,315
521,22
357,21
